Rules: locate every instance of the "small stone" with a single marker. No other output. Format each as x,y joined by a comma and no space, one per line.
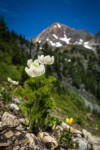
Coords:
20,127
67,127
91,139
59,128
9,134
79,135
46,138
9,119
96,147
17,133
13,107
30,138
83,143
22,121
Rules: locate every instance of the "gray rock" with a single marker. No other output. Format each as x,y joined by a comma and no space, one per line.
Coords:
96,147
83,143
20,127
46,138
9,119
30,138
91,139
13,107
22,121
9,134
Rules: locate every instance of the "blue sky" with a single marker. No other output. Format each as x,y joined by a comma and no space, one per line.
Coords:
30,17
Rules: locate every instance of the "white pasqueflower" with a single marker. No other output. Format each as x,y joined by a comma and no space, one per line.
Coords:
35,63
35,70
46,59
49,60
41,59
30,62
39,70
29,71
12,81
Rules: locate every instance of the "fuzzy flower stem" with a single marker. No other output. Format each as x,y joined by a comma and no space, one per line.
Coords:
37,82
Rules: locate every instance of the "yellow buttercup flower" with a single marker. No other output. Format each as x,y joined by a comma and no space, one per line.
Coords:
69,120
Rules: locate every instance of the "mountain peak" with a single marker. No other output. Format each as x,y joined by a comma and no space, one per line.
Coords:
59,34
57,24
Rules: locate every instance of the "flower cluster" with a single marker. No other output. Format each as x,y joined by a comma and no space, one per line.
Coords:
36,68
12,81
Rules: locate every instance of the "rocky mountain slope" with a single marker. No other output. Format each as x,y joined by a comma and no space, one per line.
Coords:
58,35
15,133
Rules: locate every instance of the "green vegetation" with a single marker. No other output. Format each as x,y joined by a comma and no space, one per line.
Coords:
39,100
12,53
70,104
78,65
66,141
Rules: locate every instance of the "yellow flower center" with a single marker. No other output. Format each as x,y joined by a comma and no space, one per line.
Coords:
35,65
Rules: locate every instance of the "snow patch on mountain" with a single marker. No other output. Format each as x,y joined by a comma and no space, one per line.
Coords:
56,44
55,36
86,45
80,41
65,39
59,26
75,42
